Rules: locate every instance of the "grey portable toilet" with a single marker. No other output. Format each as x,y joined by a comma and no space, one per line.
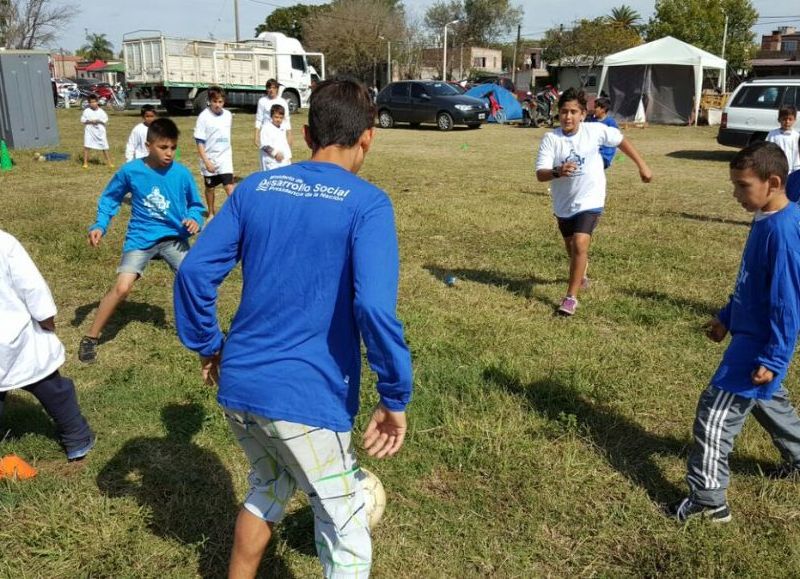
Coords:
27,110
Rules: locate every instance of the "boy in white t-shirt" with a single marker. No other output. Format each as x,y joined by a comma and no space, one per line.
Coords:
570,157
212,133
275,149
786,137
31,353
94,120
264,111
137,142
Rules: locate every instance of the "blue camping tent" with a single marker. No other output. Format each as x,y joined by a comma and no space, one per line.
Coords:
507,100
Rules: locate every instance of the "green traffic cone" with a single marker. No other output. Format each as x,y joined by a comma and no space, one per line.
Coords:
5,158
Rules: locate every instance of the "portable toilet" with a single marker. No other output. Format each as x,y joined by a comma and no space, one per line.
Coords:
27,108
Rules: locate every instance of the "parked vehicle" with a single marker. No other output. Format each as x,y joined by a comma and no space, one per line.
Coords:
436,102
541,108
179,71
752,110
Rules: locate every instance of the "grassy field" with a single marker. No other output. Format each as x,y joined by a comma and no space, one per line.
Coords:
538,447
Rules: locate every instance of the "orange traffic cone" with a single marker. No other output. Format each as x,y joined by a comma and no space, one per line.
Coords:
12,466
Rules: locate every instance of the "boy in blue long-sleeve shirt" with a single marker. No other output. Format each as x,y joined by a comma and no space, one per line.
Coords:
319,258
763,318
165,211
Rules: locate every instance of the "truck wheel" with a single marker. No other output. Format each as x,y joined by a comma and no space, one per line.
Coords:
200,102
292,100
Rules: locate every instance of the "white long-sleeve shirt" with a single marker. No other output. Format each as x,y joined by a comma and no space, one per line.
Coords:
137,143
28,353
788,141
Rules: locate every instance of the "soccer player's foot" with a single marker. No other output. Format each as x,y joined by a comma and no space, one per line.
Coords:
111,165
687,509
568,306
784,470
87,350
86,165
80,453
586,283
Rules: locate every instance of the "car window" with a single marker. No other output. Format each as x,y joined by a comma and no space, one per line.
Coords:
759,97
418,91
441,89
790,96
400,90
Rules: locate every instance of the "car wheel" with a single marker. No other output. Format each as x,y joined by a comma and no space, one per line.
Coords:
444,121
385,120
474,126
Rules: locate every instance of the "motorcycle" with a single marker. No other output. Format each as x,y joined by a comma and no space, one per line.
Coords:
541,108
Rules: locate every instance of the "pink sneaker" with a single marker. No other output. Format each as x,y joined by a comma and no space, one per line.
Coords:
568,306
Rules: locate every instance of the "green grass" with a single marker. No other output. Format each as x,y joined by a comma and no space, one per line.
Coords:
538,446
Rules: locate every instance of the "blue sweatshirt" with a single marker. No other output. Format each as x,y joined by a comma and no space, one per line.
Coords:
793,186
320,267
160,200
606,152
763,314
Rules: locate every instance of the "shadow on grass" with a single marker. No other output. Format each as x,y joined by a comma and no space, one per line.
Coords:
627,446
521,286
696,307
700,155
186,488
708,218
126,313
22,414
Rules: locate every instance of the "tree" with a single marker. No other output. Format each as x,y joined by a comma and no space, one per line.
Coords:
97,47
624,16
482,21
290,20
702,23
27,24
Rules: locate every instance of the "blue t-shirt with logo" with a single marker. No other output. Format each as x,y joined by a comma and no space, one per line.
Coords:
161,199
320,266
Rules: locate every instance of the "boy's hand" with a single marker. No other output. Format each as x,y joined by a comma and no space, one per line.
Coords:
645,174
385,432
715,330
210,167
191,226
279,157
209,368
568,168
762,376
95,235
49,324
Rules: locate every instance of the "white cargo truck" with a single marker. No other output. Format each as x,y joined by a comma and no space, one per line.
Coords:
178,71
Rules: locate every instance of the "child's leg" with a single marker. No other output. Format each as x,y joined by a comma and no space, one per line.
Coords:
107,158
719,419
228,189
250,539
779,418
57,395
85,157
115,296
578,261
210,201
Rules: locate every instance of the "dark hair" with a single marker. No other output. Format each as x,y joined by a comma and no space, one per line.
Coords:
340,111
147,109
162,129
91,97
272,83
787,111
764,159
572,94
276,109
603,103
215,92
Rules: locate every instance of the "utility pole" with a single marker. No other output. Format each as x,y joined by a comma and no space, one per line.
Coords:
514,62
722,77
236,17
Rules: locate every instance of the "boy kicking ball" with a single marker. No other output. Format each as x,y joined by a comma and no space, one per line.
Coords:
570,157
763,318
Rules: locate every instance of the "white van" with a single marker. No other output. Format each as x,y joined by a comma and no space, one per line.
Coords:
752,110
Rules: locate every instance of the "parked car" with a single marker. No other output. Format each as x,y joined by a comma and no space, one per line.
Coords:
419,101
752,110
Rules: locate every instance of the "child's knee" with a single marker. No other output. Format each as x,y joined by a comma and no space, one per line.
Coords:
123,288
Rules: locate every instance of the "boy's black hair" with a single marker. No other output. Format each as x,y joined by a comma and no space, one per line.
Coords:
572,94
276,109
764,159
91,97
147,109
603,103
787,111
215,92
272,82
162,129
340,111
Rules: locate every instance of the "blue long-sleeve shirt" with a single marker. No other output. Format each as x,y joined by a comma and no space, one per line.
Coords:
161,199
606,152
793,186
763,314
320,264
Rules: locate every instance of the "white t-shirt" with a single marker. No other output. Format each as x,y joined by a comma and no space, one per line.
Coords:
263,116
28,353
585,189
274,137
137,143
94,136
788,142
215,131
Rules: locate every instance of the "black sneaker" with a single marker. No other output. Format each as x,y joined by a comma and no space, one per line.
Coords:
87,350
784,471
688,509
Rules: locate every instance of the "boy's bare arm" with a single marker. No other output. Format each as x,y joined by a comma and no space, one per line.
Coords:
201,150
644,171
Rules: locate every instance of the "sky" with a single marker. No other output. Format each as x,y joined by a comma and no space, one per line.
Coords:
204,18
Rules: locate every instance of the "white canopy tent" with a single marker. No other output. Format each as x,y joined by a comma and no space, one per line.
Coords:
659,68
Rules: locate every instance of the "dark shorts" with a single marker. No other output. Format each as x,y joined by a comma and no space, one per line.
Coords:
212,181
581,223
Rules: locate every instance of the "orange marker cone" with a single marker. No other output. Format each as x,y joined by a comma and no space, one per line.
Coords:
12,466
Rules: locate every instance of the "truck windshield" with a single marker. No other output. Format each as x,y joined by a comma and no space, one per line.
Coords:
441,89
298,62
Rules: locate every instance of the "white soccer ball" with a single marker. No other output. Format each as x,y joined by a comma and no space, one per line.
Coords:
374,497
